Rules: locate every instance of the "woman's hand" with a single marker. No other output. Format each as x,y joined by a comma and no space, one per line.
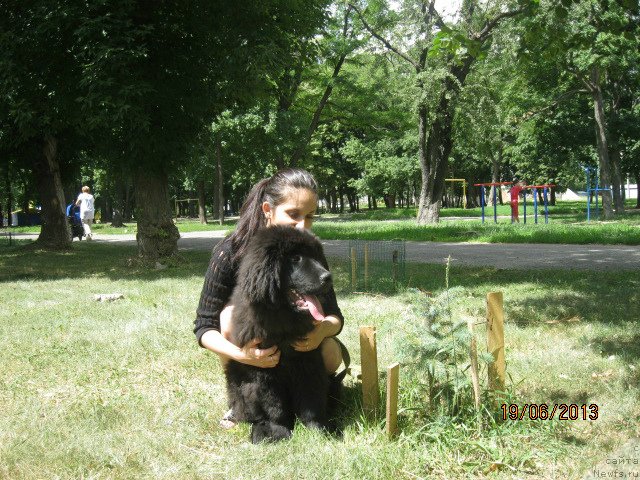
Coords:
314,338
258,357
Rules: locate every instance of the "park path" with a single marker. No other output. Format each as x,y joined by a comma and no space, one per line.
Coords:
519,256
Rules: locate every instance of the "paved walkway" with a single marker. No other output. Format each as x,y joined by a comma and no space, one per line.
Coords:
499,255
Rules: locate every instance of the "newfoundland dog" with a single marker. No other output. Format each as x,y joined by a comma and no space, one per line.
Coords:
276,300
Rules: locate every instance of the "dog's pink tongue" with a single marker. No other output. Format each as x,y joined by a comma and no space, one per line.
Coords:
315,309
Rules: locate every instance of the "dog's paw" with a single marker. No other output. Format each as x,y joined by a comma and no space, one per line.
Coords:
269,432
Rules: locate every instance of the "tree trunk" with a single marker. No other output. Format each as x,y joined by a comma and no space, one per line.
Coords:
334,200
7,184
107,209
117,219
219,195
438,145
425,214
438,150
495,177
617,185
637,176
55,233
601,138
127,214
202,206
495,169
157,235
7,188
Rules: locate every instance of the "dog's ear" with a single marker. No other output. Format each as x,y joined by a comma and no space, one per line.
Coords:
262,282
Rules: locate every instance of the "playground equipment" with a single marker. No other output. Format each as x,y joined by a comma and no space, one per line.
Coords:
534,188
464,189
190,208
588,171
495,197
545,188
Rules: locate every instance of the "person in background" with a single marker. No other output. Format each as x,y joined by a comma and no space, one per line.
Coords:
515,194
85,200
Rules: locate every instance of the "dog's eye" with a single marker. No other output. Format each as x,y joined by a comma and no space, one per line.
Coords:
296,259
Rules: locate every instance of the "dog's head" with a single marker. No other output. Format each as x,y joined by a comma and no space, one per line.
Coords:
284,265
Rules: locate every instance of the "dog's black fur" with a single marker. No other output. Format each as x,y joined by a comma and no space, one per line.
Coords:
278,260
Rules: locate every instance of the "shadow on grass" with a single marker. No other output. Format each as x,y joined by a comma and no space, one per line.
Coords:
349,407
85,259
625,345
536,297
562,396
532,297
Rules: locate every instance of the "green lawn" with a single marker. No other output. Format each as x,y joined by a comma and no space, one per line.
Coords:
120,390
567,225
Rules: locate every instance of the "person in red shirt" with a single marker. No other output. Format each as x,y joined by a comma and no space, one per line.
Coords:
515,194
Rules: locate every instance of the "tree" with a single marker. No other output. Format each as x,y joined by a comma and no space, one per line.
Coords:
441,55
137,81
39,92
587,41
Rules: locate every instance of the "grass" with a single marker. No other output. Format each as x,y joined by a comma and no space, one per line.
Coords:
463,231
567,225
120,390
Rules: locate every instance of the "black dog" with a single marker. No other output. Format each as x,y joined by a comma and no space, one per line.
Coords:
276,300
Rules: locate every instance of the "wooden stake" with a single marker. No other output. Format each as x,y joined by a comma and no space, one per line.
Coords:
366,267
495,341
354,280
393,374
369,365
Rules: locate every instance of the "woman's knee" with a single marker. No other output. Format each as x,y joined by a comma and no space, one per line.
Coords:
331,354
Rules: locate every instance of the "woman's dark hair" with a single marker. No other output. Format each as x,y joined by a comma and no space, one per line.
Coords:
273,190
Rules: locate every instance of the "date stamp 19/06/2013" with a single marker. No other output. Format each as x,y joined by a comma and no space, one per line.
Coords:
542,411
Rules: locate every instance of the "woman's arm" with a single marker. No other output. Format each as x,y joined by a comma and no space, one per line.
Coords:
327,327
250,354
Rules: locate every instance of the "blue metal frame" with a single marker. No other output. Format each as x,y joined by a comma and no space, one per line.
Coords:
546,205
588,171
495,205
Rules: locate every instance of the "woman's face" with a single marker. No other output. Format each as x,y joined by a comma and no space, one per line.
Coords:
297,209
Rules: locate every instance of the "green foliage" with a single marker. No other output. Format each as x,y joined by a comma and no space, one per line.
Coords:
385,166
435,352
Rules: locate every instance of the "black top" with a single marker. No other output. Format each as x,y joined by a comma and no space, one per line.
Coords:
219,282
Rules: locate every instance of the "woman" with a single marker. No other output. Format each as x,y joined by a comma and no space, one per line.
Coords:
288,198
85,200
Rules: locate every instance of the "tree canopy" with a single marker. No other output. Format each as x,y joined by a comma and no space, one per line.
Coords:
385,100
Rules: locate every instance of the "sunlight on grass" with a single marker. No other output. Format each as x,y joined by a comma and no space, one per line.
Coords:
120,389
567,225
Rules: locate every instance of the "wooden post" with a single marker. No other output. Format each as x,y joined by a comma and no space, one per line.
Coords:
393,374
366,267
354,280
495,341
369,365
